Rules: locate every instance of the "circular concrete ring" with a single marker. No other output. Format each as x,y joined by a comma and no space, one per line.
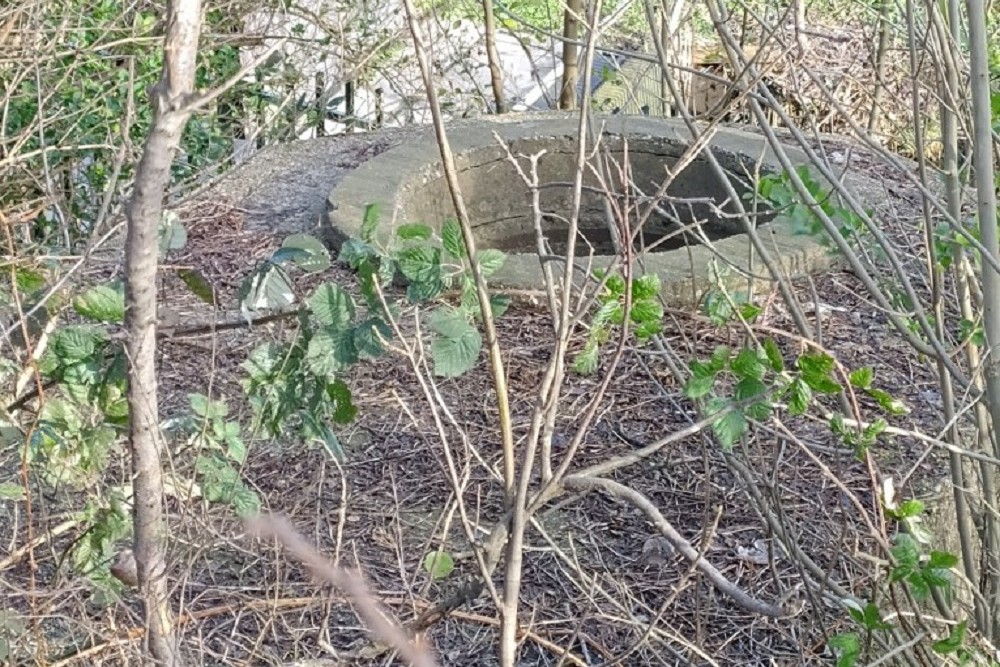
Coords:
408,183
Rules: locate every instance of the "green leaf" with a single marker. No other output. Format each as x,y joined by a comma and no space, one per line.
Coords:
368,337
105,303
646,312
942,560
774,357
699,387
702,369
420,263
586,362
413,231
425,290
847,647
953,642
266,288
816,372
862,377
370,222
198,284
720,357
313,256
11,491
331,306
888,403
729,428
749,388
330,351
799,396
439,564
909,509
907,554
646,287
330,442
747,364
750,312
28,281
615,285
499,303
236,450
353,252
456,346
264,362
246,503
77,343
490,261
344,410
451,238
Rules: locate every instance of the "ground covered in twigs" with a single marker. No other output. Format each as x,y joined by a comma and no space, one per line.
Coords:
596,588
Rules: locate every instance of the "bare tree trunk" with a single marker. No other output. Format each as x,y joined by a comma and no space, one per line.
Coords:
880,55
986,204
169,98
492,56
571,54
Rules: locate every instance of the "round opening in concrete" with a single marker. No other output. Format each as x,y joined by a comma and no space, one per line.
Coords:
694,208
691,228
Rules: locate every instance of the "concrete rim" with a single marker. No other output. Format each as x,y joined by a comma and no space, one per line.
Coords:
685,273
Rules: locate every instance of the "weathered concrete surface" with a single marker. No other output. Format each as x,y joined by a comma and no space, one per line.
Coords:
407,182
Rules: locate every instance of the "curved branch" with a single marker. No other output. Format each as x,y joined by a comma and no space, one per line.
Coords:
740,597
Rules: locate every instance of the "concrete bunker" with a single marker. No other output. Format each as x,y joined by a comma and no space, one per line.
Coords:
695,206
408,182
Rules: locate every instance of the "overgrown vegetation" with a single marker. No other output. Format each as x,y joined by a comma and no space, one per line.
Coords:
76,111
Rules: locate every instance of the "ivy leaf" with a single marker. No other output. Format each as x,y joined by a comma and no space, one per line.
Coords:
451,238
369,223
456,346
332,306
104,303
490,261
312,255
413,231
